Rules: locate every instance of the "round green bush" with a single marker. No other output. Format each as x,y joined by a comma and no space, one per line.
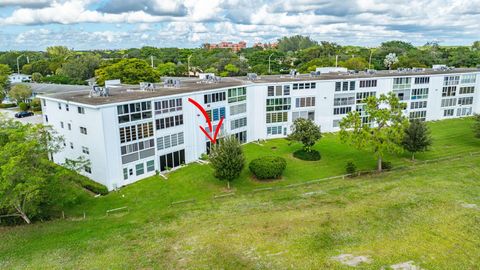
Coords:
308,156
268,167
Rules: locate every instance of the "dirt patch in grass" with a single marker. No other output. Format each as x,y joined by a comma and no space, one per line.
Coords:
351,260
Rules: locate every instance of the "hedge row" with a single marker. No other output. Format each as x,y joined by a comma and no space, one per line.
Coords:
92,185
7,105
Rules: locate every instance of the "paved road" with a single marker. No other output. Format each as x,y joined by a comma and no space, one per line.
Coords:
10,113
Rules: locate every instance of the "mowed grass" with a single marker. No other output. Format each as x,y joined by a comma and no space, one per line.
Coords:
413,214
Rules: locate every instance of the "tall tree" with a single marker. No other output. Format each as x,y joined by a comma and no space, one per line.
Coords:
295,43
27,177
385,131
417,137
129,71
355,63
5,70
306,132
80,67
20,92
227,159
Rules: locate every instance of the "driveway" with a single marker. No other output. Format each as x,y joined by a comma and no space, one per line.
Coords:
10,113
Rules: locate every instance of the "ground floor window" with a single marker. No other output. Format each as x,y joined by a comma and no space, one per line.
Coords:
241,136
139,169
150,166
87,169
275,130
172,160
125,173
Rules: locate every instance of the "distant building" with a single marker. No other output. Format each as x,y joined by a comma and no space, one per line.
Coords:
227,45
18,78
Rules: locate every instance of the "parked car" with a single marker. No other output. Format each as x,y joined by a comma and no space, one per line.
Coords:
23,114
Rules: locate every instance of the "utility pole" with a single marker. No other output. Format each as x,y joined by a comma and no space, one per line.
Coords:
370,59
18,66
269,69
151,60
336,60
188,64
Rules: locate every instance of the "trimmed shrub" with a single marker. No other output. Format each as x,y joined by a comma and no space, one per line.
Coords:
307,155
23,106
386,165
7,105
268,167
351,168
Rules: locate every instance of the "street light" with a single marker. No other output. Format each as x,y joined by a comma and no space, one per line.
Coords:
188,64
370,59
269,70
18,66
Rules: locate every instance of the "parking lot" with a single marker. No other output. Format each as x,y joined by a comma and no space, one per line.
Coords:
10,113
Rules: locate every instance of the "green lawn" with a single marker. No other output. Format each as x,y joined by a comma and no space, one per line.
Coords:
413,214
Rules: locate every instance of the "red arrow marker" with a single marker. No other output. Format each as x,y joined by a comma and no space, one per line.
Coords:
209,122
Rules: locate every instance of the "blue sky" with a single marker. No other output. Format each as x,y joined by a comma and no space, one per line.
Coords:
103,24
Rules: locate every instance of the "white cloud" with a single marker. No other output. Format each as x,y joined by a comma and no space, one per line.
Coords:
192,22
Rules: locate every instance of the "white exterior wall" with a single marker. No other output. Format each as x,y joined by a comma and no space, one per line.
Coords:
103,139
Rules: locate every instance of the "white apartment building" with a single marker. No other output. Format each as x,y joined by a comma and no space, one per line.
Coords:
132,133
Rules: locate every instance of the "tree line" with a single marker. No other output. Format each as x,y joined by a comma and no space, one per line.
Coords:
58,64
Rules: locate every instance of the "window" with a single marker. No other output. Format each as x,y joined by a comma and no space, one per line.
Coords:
342,101
150,166
448,112
169,141
137,150
278,90
422,80
71,145
59,106
418,105
342,110
276,130
67,108
300,86
81,110
44,102
401,83
305,102
303,114
61,124
125,173
419,93
216,114
286,90
467,90
336,123
172,160
237,94
238,109
451,80
87,169
448,102
368,83
449,91
344,86
464,111
469,78
168,122
238,123
139,169
46,118
420,115
132,133
361,97
170,105
465,101
134,112
85,150
278,104
214,97
277,117
83,130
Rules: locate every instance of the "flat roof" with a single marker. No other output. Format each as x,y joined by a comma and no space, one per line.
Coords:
125,93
